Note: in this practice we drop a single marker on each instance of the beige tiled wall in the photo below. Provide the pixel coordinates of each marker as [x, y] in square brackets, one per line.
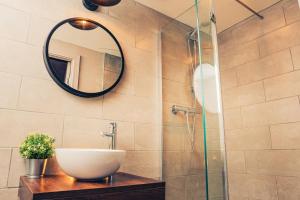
[31, 101]
[260, 63]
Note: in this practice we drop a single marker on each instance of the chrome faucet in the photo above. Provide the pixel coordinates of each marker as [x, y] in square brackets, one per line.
[112, 135]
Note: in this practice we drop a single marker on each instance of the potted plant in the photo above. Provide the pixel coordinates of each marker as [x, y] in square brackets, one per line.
[36, 149]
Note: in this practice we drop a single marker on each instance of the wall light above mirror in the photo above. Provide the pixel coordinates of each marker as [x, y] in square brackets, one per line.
[93, 5]
[83, 57]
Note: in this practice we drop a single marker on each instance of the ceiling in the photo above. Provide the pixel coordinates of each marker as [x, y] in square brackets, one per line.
[228, 12]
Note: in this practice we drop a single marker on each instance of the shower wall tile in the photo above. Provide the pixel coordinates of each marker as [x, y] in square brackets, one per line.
[232, 118]
[175, 188]
[274, 18]
[244, 186]
[177, 93]
[296, 56]
[279, 111]
[236, 161]
[272, 65]
[195, 187]
[239, 54]
[248, 138]
[291, 11]
[244, 95]
[247, 31]
[173, 138]
[288, 188]
[273, 162]
[280, 39]
[286, 85]
[5, 155]
[229, 79]
[175, 70]
[175, 163]
[285, 136]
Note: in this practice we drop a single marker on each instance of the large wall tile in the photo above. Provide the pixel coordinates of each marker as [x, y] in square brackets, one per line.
[4, 166]
[16, 125]
[175, 70]
[39, 29]
[14, 24]
[244, 186]
[143, 163]
[173, 138]
[236, 161]
[177, 93]
[286, 85]
[232, 118]
[291, 11]
[147, 137]
[274, 18]
[119, 107]
[244, 95]
[85, 133]
[280, 111]
[229, 79]
[41, 95]
[126, 135]
[248, 139]
[10, 90]
[175, 188]
[288, 188]
[280, 39]
[9, 194]
[285, 136]
[273, 162]
[29, 61]
[275, 64]
[239, 55]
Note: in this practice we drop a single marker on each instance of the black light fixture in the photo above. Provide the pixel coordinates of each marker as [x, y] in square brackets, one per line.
[83, 24]
[93, 5]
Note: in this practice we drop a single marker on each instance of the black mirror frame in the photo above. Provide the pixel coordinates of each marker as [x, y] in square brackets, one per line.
[65, 86]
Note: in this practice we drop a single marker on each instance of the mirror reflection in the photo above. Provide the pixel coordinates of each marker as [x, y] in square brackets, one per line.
[84, 56]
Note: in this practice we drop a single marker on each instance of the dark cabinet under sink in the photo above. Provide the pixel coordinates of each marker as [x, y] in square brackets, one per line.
[121, 186]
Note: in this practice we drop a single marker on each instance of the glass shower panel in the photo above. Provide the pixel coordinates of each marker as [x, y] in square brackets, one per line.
[208, 94]
[193, 143]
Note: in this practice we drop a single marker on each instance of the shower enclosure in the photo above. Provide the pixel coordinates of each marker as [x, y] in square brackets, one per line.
[194, 164]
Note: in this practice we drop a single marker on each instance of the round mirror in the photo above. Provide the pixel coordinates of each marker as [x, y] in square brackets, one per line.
[83, 57]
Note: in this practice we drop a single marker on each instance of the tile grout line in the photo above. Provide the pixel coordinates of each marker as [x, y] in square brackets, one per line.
[9, 169]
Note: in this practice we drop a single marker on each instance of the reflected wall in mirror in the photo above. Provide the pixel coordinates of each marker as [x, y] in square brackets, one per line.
[83, 57]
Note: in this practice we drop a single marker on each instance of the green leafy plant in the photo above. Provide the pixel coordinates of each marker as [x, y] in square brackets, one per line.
[37, 146]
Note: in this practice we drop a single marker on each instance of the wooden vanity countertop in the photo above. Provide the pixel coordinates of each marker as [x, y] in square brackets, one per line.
[62, 186]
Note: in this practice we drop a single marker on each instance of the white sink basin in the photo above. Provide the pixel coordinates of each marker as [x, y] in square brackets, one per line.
[89, 163]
